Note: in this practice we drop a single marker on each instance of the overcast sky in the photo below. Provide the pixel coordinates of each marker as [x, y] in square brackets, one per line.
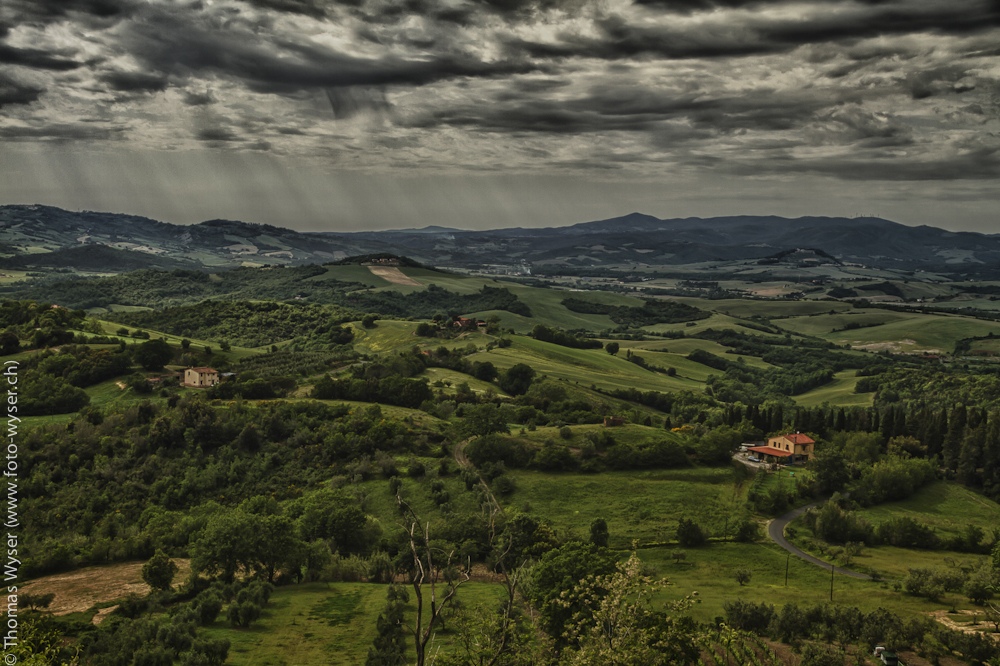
[373, 114]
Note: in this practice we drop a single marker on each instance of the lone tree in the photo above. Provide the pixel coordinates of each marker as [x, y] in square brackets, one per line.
[517, 379]
[159, 572]
[743, 576]
[153, 354]
[690, 534]
[599, 532]
[612, 348]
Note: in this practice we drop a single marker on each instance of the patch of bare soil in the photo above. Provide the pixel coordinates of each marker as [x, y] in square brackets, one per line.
[393, 275]
[884, 346]
[944, 617]
[77, 591]
[770, 291]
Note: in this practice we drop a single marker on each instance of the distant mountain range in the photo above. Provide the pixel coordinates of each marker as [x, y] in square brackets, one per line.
[44, 237]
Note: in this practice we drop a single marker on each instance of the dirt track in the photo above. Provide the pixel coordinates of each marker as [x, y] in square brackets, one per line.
[393, 275]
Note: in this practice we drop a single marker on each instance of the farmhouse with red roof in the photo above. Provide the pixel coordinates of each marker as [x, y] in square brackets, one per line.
[786, 449]
[201, 377]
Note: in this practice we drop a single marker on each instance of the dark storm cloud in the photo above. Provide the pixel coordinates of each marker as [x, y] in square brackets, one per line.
[693, 6]
[633, 109]
[951, 18]
[135, 81]
[35, 58]
[620, 39]
[15, 92]
[217, 134]
[48, 11]
[348, 102]
[464, 14]
[978, 164]
[192, 98]
[60, 132]
[756, 35]
[852, 125]
[167, 43]
[942, 80]
[314, 8]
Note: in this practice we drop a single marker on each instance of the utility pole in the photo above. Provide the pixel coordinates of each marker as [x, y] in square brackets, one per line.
[831, 580]
[787, 559]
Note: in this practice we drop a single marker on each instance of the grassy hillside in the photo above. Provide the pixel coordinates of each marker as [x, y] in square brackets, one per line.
[893, 330]
[945, 506]
[838, 392]
[643, 506]
[585, 367]
[308, 625]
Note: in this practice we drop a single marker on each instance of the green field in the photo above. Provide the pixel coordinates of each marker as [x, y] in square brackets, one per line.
[897, 331]
[710, 572]
[324, 624]
[390, 336]
[766, 308]
[643, 506]
[308, 625]
[947, 507]
[838, 392]
[583, 366]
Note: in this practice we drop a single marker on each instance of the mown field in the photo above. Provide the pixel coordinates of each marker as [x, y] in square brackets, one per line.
[947, 507]
[838, 392]
[584, 366]
[892, 330]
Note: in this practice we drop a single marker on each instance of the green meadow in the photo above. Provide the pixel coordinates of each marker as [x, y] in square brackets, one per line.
[638, 505]
[945, 506]
[307, 625]
[838, 392]
[329, 624]
[709, 571]
[584, 366]
[904, 331]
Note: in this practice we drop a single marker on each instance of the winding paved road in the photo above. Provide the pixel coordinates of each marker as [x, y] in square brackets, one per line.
[776, 531]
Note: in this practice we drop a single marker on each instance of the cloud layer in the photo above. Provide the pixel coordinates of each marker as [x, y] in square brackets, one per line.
[756, 91]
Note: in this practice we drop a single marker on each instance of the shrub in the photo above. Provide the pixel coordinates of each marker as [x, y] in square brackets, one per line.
[747, 531]
[746, 615]
[690, 534]
[504, 485]
[243, 614]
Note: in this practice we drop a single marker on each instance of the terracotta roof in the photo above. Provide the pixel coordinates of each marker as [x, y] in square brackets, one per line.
[767, 450]
[799, 438]
[205, 371]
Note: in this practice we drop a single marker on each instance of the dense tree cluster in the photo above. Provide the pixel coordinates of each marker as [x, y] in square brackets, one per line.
[164, 469]
[248, 323]
[650, 313]
[425, 304]
[563, 339]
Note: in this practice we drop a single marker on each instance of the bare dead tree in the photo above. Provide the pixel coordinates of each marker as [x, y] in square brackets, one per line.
[425, 576]
[511, 573]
